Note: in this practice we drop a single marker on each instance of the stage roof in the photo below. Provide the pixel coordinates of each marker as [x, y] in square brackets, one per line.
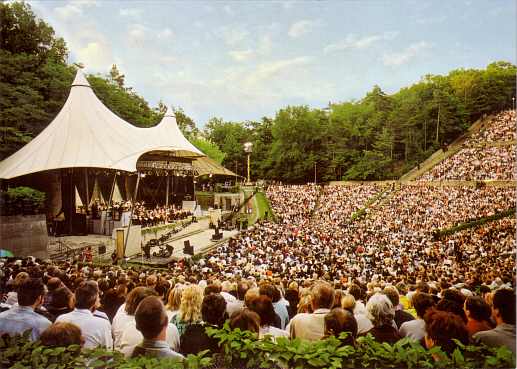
[85, 133]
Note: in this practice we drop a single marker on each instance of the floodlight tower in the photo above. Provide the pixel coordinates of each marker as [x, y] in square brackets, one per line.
[248, 148]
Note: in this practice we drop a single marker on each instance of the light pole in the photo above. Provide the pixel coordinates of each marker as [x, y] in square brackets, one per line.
[513, 103]
[248, 148]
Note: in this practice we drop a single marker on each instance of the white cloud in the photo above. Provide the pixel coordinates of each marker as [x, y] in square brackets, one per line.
[168, 59]
[165, 33]
[95, 55]
[241, 55]
[229, 10]
[130, 12]
[137, 33]
[405, 56]
[353, 42]
[301, 28]
[287, 4]
[265, 45]
[73, 9]
[232, 35]
[431, 20]
[266, 71]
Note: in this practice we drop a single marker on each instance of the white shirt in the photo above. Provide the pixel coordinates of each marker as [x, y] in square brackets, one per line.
[308, 326]
[234, 307]
[359, 308]
[119, 321]
[414, 329]
[272, 331]
[131, 337]
[228, 297]
[363, 323]
[96, 331]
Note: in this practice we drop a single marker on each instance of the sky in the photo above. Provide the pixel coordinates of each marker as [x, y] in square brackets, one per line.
[243, 60]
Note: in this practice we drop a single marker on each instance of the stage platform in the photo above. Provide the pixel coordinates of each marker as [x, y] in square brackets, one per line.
[200, 240]
[198, 234]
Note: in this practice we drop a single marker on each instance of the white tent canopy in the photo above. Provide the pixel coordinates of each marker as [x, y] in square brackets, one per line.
[85, 133]
[167, 133]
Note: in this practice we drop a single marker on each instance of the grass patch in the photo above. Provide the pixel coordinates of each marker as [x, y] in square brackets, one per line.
[264, 207]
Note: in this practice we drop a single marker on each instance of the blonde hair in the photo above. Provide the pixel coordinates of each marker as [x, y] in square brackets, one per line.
[250, 295]
[305, 304]
[191, 300]
[348, 302]
[174, 300]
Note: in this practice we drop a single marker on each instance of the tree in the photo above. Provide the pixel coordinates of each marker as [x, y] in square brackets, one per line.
[124, 102]
[116, 77]
[33, 75]
[209, 149]
[229, 137]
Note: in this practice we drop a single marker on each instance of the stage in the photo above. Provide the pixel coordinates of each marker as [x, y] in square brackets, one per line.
[198, 234]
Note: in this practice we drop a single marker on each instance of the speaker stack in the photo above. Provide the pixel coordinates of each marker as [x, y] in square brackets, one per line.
[188, 249]
[217, 235]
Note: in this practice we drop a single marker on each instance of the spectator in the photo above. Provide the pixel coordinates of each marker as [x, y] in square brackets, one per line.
[478, 314]
[151, 320]
[130, 335]
[363, 323]
[20, 318]
[96, 331]
[195, 339]
[442, 327]
[381, 313]
[401, 316]
[62, 302]
[238, 304]
[415, 329]
[269, 290]
[503, 312]
[246, 320]
[174, 300]
[12, 296]
[311, 326]
[263, 306]
[190, 308]
[62, 335]
[340, 320]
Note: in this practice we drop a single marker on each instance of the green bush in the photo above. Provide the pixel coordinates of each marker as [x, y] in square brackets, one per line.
[23, 201]
[242, 346]
[18, 352]
[243, 349]
[473, 223]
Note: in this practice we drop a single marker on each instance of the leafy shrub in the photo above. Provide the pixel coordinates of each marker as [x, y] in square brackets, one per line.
[18, 352]
[22, 201]
[243, 349]
[239, 347]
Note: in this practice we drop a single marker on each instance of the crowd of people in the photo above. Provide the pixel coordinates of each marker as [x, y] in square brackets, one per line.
[145, 313]
[476, 163]
[314, 273]
[488, 154]
[360, 258]
[498, 128]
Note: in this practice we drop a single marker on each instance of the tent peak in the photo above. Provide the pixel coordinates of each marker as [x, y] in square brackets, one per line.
[169, 112]
[80, 80]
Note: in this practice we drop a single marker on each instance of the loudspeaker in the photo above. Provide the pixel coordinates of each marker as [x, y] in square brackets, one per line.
[187, 248]
[102, 249]
[217, 235]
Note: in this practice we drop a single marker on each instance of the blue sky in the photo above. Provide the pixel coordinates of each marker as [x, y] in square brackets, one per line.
[242, 60]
